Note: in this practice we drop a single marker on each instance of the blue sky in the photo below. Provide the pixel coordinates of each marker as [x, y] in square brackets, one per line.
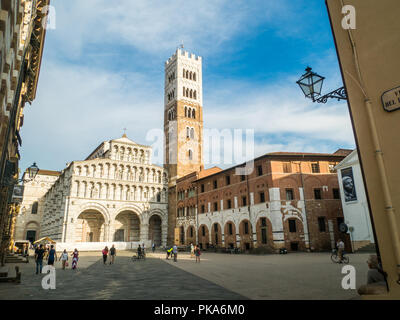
[103, 65]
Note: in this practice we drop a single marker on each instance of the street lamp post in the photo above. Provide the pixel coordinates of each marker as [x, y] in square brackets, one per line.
[311, 84]
[32, 172]
[6, 219]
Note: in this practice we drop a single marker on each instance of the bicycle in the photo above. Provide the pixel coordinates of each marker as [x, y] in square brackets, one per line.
[335, 257]
[137, 257]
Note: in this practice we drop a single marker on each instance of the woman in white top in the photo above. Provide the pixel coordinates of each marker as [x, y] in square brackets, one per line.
[64, 258]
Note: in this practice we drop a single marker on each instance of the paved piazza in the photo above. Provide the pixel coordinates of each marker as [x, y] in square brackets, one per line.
[218, 276]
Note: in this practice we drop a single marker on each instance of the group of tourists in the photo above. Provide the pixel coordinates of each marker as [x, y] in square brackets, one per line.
[43, 253]
[112, 253]
[194, 252]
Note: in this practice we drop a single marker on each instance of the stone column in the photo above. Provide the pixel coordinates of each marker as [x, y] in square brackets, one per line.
[276, 218]
[164, 233]
[144, 233]
[301, 205]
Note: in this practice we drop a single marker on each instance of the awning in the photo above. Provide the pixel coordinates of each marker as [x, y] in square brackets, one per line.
[44, 240]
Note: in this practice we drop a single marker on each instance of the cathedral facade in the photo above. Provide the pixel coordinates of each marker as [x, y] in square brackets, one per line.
[116, 195]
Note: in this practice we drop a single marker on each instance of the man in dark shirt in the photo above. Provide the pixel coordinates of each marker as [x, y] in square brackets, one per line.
[39, 253]
[113, 253]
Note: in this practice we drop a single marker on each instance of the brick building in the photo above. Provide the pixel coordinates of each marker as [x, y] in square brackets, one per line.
[290, 200]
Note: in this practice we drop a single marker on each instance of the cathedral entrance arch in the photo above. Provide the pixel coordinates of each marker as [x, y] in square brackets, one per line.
[127, 227]
[90, 227]
[155, 230]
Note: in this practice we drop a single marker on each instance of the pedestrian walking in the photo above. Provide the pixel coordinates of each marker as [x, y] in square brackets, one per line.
[340, 246]
[169, 252]
[39, 254]
[191, 250]
[52, 256]
[175, 251]
[197, 253]
[153, 247]
[75, 258]
[113, 253]
[64, 258]
[105, 254]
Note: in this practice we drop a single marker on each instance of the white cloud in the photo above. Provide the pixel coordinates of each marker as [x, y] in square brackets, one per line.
[157, 26]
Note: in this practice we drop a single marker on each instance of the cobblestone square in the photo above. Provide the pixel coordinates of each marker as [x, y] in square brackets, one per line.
[216, 277]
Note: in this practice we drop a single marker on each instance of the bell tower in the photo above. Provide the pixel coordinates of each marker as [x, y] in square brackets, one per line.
[183, 114]
[183, 126]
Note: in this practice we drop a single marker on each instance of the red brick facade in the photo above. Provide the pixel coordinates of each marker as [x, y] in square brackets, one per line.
[266, 208]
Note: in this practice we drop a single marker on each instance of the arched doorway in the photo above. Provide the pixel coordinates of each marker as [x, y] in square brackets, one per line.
[181, 235]
[190, 235]
[155, 230]
[90, 227]
[204, 240]
[264, 233]
[246, 235]
[216, 235]
[32, 231]
[230, 235]
[127, 227]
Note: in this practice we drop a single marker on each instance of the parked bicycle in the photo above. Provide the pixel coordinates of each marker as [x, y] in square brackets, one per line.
[335, 257]
[137, 257]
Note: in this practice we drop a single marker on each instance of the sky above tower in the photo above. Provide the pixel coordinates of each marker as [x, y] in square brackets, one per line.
[103, 71]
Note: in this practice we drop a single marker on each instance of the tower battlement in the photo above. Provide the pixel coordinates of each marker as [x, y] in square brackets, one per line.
[186, 54]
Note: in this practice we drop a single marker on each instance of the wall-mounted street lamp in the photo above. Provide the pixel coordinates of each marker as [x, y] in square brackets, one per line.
[311, 84]
[32, 172]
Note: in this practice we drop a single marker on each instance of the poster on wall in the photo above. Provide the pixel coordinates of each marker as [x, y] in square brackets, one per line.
[18, 193]
[348, 185]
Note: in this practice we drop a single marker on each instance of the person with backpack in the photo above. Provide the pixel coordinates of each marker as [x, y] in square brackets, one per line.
[197, 253]
[105, 254]
[175, 251]
[113, 253]
[169, 252]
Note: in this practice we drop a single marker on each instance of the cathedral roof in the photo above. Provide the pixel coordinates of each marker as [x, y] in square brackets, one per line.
[125, 139]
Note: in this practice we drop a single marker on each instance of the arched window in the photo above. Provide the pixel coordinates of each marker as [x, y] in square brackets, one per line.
[35, 206]
[189, 112]
[194, 114]
[185, 111]
[191, 93]
[190, 75]
[194, 94]
[187, 74]
[183, 72]
[191, 133]
[190, 154]
[194, 76]
[184, 92]
[187, 93]
[187, 132]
